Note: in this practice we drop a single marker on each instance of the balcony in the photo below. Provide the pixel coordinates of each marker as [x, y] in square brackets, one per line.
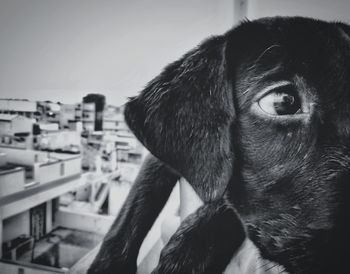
[32, 177]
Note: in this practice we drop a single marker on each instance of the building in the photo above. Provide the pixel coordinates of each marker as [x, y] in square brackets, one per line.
[36, 233]
[78, 112]
[88, 116]
[93, 107]
[45, 197]
[49, 112]
[11, 124]
[59, 140]
[75, 125]
[16, 130]
[113, 118]
[67, 113]
[20, 107]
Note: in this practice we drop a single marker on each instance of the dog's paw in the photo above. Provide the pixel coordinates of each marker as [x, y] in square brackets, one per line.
[205, 241]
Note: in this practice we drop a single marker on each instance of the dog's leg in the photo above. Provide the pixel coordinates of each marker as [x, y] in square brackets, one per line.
[119, 250]
[205, 241]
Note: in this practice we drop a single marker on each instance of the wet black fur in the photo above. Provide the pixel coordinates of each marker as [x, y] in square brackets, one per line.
[282, 183]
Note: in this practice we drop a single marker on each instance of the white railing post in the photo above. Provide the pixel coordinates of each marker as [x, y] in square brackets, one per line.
[189, 200]
[36, 172]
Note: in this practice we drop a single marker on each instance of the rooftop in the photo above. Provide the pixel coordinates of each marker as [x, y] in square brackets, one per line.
[7, 117]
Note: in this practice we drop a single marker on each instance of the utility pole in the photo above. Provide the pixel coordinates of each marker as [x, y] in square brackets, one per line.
[240, 10]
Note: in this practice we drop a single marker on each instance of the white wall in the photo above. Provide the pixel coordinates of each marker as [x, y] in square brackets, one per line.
[60, 50]
[322, 9]
[21, 124]
[24, 157]
[11, 182]
[17, 105]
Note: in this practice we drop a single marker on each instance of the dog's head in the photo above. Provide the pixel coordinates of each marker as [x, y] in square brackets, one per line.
[262, 113]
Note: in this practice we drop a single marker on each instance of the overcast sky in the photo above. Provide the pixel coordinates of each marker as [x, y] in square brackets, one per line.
[62, 49]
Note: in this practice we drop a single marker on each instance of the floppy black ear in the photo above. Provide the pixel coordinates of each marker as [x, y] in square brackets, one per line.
[184, 117]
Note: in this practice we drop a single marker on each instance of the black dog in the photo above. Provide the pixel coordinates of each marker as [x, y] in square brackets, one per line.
[257, 120]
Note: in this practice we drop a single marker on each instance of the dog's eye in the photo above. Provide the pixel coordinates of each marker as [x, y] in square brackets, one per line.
[281, 101]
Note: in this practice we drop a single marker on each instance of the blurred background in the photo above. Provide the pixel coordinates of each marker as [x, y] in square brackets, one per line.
[67, 158]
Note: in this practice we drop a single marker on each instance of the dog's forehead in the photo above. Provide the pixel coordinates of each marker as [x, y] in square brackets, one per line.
[301, 40]
[297, 32]
[316, 51]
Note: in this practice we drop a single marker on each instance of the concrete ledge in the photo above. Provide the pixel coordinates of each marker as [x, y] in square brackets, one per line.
[14, 267]
[28, 198]
[84, 221]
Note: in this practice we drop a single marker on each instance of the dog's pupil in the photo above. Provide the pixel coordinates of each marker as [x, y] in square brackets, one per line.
[285, 104]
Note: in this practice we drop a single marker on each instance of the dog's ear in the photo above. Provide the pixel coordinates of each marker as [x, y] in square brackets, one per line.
[184, 118]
